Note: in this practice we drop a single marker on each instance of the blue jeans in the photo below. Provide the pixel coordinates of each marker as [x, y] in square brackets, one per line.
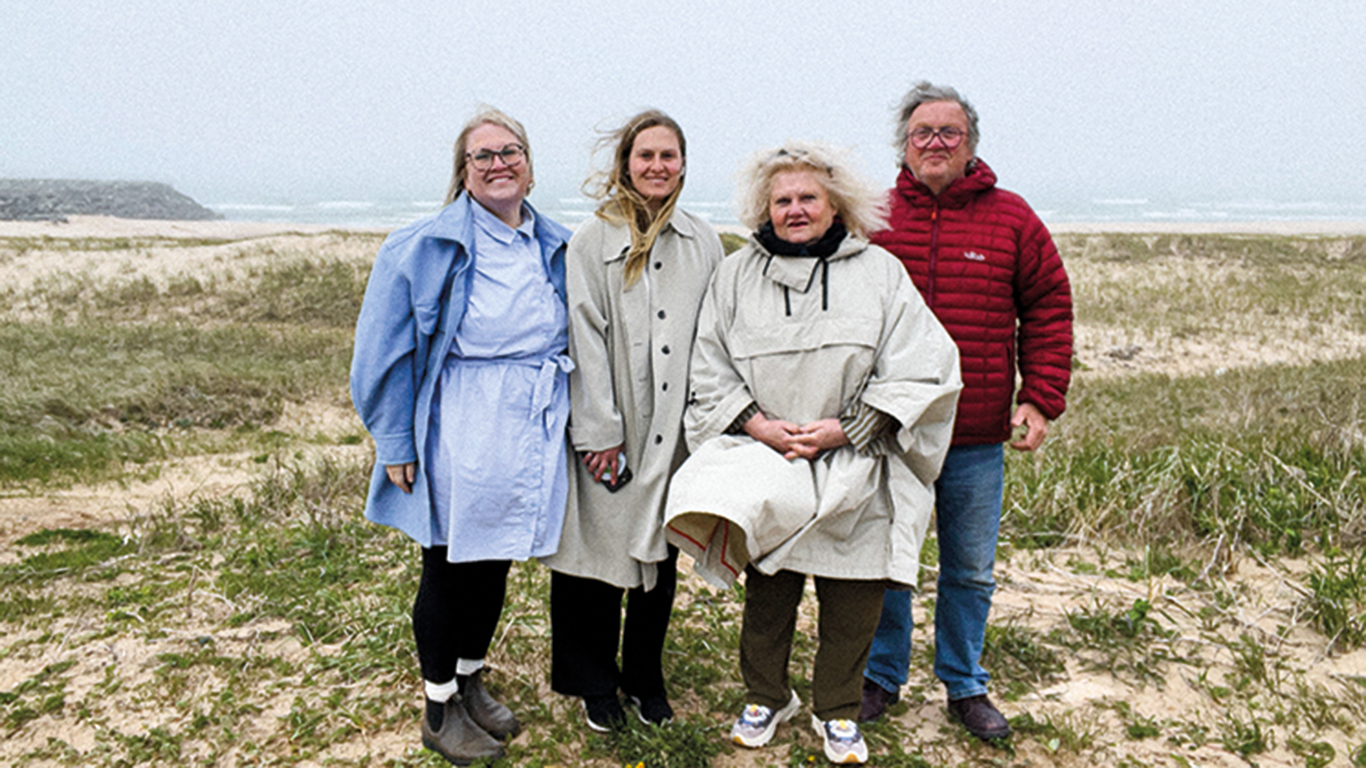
[968, 518]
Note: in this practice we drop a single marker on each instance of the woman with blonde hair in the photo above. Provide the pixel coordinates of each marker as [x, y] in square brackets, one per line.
[636, 275]
[460, 374]
[821, 403]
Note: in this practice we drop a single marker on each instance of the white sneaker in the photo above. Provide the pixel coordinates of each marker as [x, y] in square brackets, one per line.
[843, 741]
[756, 723]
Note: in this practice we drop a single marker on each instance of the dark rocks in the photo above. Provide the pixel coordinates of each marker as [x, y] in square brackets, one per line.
[56, 199]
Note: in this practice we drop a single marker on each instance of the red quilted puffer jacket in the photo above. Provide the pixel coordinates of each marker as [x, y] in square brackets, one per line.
[988, 268]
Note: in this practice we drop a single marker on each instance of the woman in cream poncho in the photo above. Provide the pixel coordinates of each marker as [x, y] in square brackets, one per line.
[821, 406]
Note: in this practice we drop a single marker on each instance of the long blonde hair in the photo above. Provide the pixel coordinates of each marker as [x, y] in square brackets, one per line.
[621, 202]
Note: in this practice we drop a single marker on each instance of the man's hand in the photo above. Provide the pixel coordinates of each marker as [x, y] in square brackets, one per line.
[1036, 427]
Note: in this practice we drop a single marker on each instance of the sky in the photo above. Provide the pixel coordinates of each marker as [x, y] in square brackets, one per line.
[263, 100]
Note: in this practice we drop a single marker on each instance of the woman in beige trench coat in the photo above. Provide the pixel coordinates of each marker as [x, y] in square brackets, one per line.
[823, 394]
[636, 274]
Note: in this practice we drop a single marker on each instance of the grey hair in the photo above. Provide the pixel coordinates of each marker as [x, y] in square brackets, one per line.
[925, 92]
[485, 116]
[856, 201]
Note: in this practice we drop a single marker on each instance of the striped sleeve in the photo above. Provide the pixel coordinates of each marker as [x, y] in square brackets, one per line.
[865, 426]
[737, 427]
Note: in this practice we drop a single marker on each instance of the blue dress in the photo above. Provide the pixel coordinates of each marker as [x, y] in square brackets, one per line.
[496, 460]
[460, 366]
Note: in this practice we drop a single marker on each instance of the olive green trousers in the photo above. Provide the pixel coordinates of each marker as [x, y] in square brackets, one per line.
[847, 618]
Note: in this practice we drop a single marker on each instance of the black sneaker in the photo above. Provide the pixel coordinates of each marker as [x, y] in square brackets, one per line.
[652, 710]
[604, 713]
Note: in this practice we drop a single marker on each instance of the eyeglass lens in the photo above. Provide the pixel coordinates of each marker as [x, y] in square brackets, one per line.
[483, 159]
[950, 136]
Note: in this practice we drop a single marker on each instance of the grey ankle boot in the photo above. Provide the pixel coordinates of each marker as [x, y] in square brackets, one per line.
[492, 716]
[461, 741]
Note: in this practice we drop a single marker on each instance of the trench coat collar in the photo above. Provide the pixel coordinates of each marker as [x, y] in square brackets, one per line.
[680, 223]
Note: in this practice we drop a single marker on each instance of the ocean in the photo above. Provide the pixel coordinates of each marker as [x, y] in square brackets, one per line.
[573, 209]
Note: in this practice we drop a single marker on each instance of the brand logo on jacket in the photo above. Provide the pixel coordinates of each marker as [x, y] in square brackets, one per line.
[974, 256]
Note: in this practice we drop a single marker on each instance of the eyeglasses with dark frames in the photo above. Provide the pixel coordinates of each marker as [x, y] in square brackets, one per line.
[510, 154]
[950, 136]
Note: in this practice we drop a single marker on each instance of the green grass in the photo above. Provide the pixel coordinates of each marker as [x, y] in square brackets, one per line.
[1338, 606]
[1265, 455]
[271, 626]
[83, 402]
[732, 242]
[1209, 285]
[103, 376]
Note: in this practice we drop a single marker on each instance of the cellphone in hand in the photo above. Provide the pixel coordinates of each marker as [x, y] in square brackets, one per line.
[619, 478]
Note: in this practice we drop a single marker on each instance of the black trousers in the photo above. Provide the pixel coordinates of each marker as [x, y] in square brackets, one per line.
[456, 611]
[585, 629]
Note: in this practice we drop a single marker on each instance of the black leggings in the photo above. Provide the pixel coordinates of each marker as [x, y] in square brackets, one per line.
[456, 611]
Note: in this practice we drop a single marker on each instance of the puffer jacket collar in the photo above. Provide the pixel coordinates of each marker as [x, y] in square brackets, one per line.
[978, 179]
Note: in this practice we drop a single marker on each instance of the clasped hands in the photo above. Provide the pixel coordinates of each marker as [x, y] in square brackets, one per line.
[805, 441]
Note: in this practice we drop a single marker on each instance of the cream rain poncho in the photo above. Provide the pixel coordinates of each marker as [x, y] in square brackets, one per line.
[806, 339]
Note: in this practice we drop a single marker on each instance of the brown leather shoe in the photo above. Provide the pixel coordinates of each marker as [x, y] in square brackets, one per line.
[876, 699]
[460, 740]
[980, 717]
[491, 715]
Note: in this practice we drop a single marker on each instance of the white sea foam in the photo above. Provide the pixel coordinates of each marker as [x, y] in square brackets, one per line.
[248, 207]
[573, 209]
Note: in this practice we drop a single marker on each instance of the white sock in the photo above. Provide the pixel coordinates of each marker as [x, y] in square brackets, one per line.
[466, 667]
[441, 691]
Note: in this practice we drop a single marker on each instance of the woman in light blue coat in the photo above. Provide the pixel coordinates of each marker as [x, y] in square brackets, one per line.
[460, 374]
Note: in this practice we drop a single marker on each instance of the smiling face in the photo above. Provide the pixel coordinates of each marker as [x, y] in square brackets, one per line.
[656, 164]
[799, 207]
[936, 165]
[501, 187]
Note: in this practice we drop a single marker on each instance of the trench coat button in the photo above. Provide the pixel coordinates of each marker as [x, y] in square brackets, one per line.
[666, 386]
[665, 350]
[659, 265]
[661, 314]
[659, 439]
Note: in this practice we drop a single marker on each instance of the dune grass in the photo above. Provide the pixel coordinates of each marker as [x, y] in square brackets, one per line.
[271, 626]
[101, 375]
[1271, 457]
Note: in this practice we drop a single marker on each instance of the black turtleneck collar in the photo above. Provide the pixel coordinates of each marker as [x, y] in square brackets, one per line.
[822, 248]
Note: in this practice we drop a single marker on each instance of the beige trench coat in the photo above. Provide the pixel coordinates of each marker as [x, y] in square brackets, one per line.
[631, 348]
[848, 514]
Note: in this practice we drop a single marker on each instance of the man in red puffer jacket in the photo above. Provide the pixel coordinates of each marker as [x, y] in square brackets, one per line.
[988, 269]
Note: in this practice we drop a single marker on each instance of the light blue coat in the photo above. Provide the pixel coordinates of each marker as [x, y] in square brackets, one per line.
[402, 339]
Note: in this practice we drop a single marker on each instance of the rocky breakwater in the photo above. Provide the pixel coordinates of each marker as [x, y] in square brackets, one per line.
[56, 199]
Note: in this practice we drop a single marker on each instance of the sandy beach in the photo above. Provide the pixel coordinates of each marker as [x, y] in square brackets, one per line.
[109, 226]
[1286, 228]
[1150, 302]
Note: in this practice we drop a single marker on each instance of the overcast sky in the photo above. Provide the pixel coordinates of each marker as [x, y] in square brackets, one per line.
[260, 99]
